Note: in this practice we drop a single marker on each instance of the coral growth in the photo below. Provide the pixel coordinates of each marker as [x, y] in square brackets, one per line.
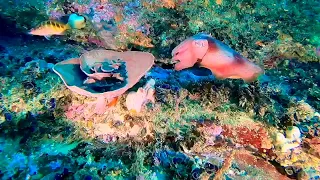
[81, 125]
[256, 137]
[98, 74]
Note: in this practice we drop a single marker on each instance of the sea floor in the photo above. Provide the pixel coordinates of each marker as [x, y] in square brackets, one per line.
[197, 128]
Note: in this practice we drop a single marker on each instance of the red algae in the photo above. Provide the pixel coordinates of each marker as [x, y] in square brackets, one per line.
[257, 137]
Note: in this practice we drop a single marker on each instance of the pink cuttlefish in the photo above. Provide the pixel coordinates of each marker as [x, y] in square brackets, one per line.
[210, 53]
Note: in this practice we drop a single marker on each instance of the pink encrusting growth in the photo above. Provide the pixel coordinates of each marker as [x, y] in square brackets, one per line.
[210, 53]
[136, 100]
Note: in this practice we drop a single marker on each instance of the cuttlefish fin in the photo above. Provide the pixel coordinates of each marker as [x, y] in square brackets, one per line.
[218, 76]
[239, 68]
[48, 37]
[246, 70]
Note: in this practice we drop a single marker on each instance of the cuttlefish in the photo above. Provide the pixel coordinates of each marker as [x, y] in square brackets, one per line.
[212, 54]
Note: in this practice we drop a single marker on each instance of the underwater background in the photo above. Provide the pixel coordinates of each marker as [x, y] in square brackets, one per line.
[160, 89]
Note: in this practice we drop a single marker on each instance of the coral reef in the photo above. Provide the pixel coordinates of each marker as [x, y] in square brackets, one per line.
[70, 109]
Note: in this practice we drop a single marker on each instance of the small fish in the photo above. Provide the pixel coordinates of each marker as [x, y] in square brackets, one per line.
[49, 28]
[219, 2]
[113, 102]
[212, 54]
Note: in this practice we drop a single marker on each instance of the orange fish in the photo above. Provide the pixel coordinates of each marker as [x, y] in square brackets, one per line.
[210, 53]
[113, 102]
[49, 28]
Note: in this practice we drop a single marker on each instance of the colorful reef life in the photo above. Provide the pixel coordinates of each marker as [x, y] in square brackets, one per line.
[51, 27]
[159, 90]
[210, 53]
